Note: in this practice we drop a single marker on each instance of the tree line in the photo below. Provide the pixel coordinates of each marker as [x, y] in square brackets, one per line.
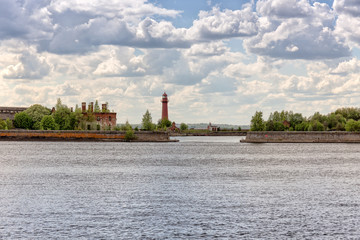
[38, 117]
[343, 119]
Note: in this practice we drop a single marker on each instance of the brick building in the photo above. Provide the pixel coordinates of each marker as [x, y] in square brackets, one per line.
[104, 119]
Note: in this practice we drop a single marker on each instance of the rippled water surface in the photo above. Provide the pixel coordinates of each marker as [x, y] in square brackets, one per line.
[196, 188]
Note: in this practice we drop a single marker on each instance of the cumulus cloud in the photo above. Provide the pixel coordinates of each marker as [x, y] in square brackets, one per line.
[349, 7]
[66, 89]
[30, 66]
[207, 49]
[217, 24]
[347, 67]
[296, 30]
[348, 22]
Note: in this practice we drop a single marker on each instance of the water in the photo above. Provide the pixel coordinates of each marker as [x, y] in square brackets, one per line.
[199, 188]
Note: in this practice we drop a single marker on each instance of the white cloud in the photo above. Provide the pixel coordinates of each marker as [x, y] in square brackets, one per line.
[217, 24]
[67, 89]
[29, 66]
[296, 30]
[348, 22]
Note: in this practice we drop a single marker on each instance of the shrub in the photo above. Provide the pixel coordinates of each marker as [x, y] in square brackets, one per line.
[48, 123]
[9, 124]
[183, 126]
[2, 124]
[352, 126]
[23, 120]
[129, 135]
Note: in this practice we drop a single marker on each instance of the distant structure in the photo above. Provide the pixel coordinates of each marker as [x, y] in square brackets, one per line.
[164, 101]
[213, 128]
[9, 112]
[173, 128]
[105, 119]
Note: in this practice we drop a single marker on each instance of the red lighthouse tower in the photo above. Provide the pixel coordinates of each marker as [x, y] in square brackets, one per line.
[164, 101]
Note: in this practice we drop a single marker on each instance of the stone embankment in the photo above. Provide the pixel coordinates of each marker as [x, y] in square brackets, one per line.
[302, 137]
[101, 136]
[218, 133]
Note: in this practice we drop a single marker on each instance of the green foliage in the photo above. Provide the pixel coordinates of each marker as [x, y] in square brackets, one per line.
[239, 128]
[37, 112]
[295, 119]
[126, 126]
[9, 124]
[129, 135]
[23, 120]
[349, 113]
[3, 125]
[147, 122]
[257, 122]
[304, 126]
[183, 126]
[97, 107]
[136, 129]
[316, 126]
[352, 126]
[64, 118]
[48, 123]
[278, 126]
[274, 126]
[269, 125]
[335, 122]
[164, 123]
[36, 126]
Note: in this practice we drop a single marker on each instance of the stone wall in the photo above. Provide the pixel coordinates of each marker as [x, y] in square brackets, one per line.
[210, 133]
[113, 136]
[302, 137]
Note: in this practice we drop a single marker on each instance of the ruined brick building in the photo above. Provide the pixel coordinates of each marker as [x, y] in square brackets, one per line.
[104, 119]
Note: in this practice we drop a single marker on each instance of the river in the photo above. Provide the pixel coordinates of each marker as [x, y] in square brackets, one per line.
[198, 188]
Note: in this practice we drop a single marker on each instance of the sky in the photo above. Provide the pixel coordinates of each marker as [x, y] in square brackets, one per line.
[219, 61]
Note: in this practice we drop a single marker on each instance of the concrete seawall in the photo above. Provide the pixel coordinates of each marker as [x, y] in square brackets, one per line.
[302, 137]
[101, 136]
[219, 133]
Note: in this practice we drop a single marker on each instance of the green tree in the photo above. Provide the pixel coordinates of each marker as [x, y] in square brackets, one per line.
[316, 126]
[37, 112]
[48, 123]
[349, 113]
[126, 126]
[279, 126]
[335, 122]
[23, 120]
[3, 124]
[9, 124]
[302, 126]
[62, 116]
[295, 119]
[147, 123]
[183, 126]
[257, 122]
[269, 125]
[164, 123]
[97, 107]
[352, 126]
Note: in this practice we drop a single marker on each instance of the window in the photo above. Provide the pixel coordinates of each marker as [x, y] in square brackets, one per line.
[109, 118]
[98, 119]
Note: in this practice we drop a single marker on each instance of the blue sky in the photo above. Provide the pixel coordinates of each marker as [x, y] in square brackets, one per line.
[219, 61]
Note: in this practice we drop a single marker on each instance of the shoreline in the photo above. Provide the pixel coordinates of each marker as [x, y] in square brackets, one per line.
[302, 137]
[82, 136]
